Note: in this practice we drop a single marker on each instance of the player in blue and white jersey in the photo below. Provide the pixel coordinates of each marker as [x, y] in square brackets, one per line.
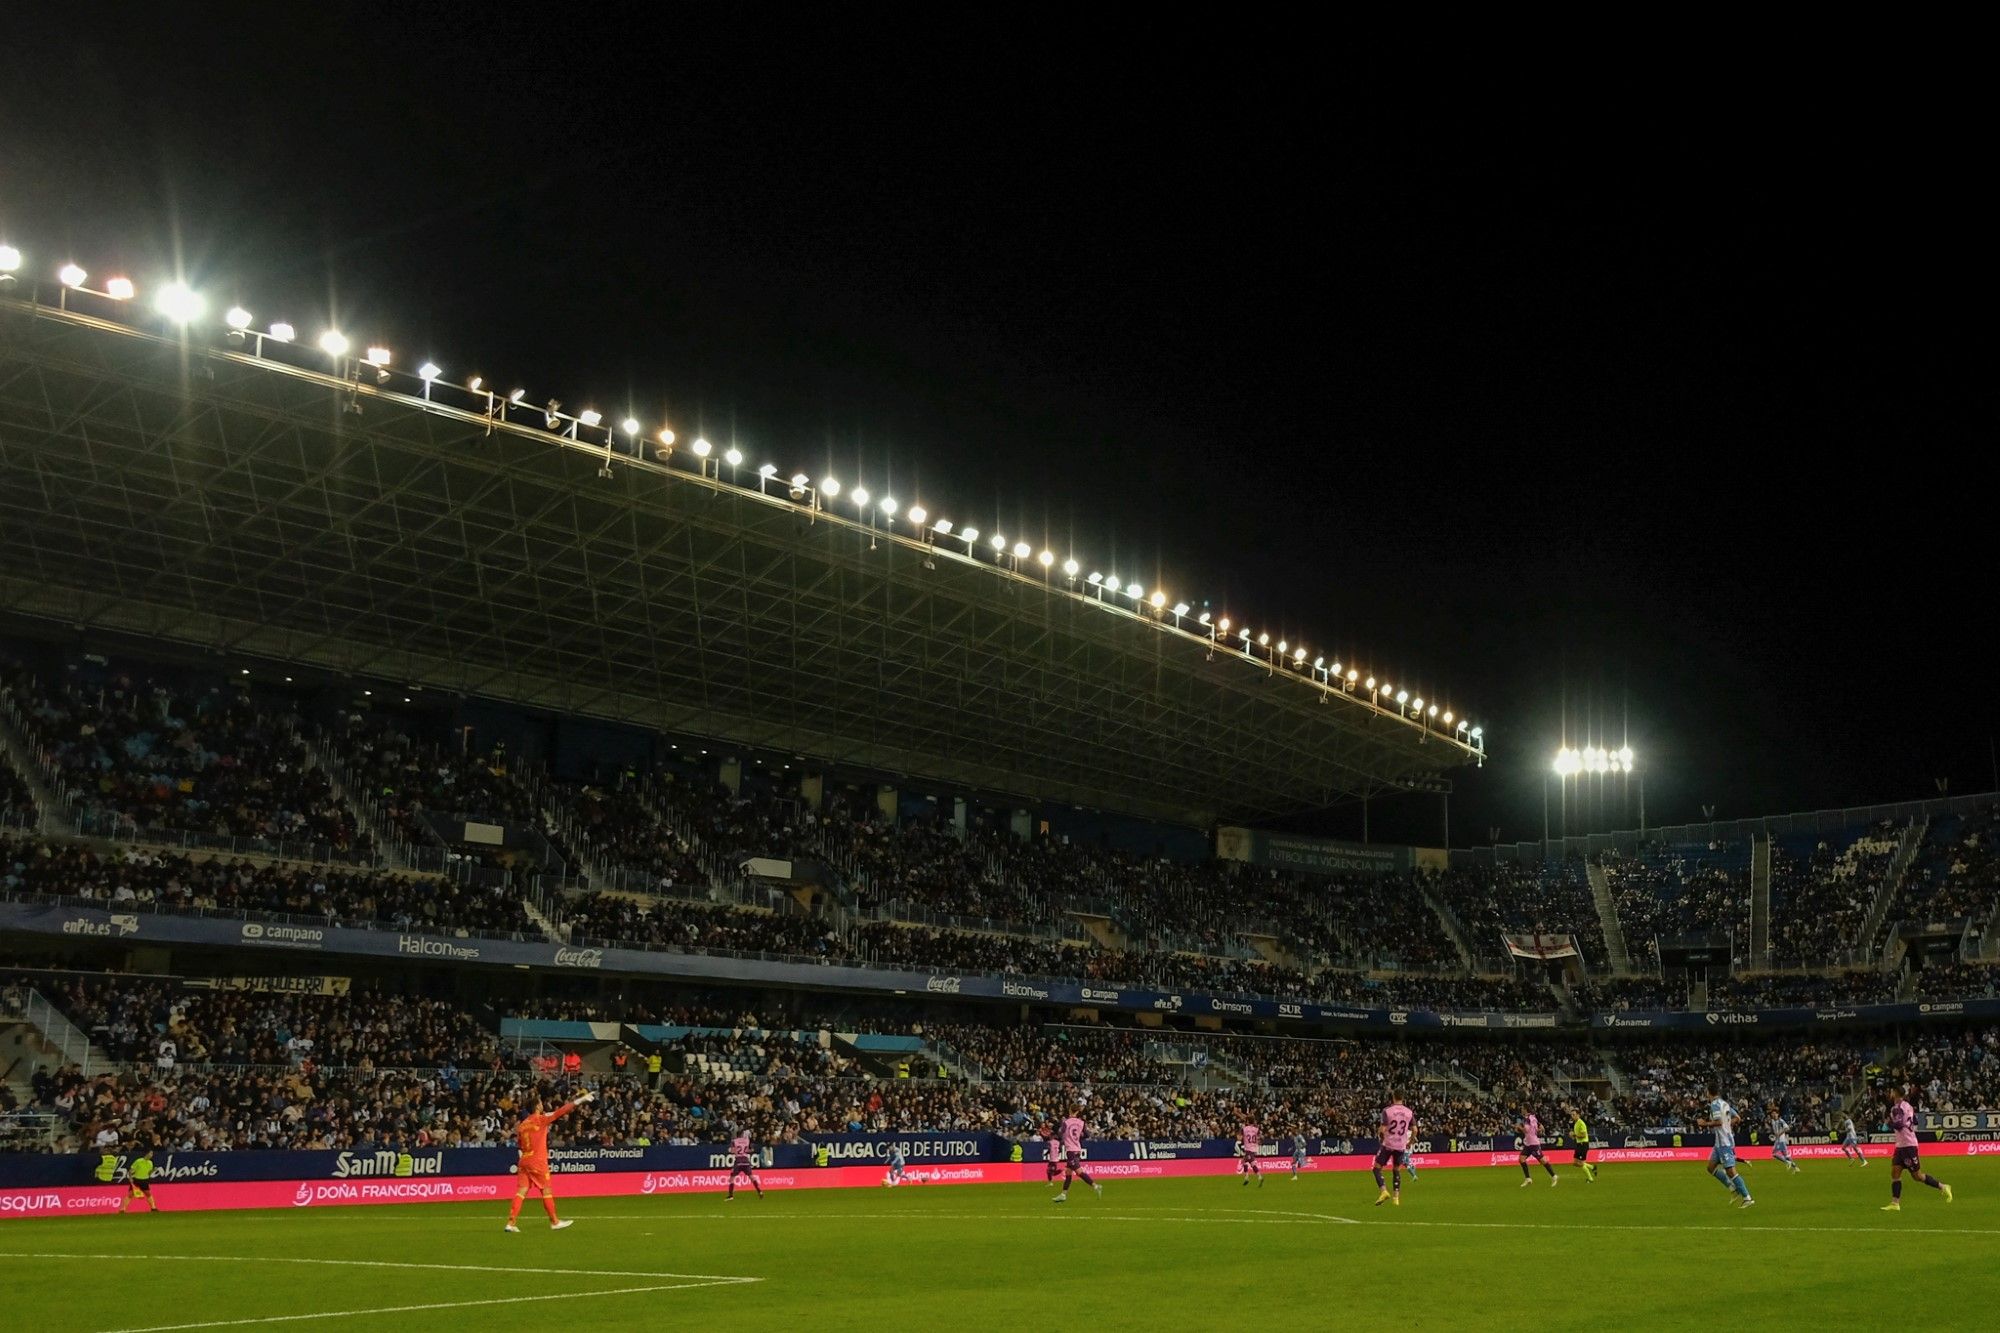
[1722, 1119]
[1781, 1139]
[1298, 1154]
[1850, 1142]
[897, 1163]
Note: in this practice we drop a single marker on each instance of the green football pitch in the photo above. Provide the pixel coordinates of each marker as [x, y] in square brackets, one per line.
[1645, 1247]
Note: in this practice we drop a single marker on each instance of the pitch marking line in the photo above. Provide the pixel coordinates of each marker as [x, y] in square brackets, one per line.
[377, 1263]
[1301, 1219]
[684, 1282]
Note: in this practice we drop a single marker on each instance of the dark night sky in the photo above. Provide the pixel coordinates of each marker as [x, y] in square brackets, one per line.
[1652, 416]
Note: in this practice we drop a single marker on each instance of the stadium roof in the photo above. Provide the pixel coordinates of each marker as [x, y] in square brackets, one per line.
[196, 491]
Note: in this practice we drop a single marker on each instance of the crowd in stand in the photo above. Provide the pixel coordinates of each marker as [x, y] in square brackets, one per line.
[1958, 1069]
[164, 1024]
[1821, 896]
[1620, 993]
[1667, 1080]
[1509, 897]
[215, 1067]
[667, 923]
[1779, 992]
[141, 757]
[153, 878]
[1956, 872]
[1956, 980]
[408, 780]
[1672, 889]
[619, 826]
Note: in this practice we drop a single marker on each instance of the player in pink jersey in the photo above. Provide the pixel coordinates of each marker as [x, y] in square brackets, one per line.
[1246, 1152]
[740, 1165]
[1529, 1129]
[1394, 1135]
[1903, 1120]
[1072, 1142]
[1052, 1151]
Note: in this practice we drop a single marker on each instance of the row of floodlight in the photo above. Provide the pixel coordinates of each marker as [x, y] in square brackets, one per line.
[1593, 759]
[181, 306]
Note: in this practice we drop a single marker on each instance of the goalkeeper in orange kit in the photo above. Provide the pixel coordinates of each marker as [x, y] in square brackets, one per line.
[531, 1136]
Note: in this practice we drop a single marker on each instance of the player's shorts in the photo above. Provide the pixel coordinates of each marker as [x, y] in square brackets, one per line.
[1781, 1147]
[1850, 1142]
[1722, 1154]
[1389, 1157]
[144, 1187]
[534, 1176]
[741, 1167]
[1073, 1160]
[1906, 1158]
[1580, 1153]
[1533, 1150]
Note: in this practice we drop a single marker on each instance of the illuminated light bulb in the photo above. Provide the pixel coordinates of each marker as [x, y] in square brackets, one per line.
[333, 343]
[630, 425]
[72, 275]
[119, 289]
[178, 302]
[701, 447]
[282, 332]
[732, 456]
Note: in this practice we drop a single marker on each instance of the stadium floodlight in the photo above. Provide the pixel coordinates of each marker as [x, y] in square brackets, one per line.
[919, 515]
[1095, 579]
[1477, 732]
[1298, 654]
[1319, 663]
[334, 343]
[1158, 599]
[236, 317]
[830, 487]
[1402, 696]
[476, 383]
[1022, 550]
[968, 536]
[1447, 717]
[860, 496]
[734, 457]
[1223, 624]
[1047, 559]
[518, 397]
[702, 448]
[377, 357]
[1134, 591]
[120, 289]
[667, 437]
[1567, 762]
[72, 275]
[1418, 703]
[630, 425]
[590, 416]
[1283, 647]
[1112, 584]
[1070, 568]
[1264, 640]
[765, 471]
[999, 542]
[1180, 609]
[282, 332]
[888, 506]
[942, 527]
[179, 303]
[1434, 710]
[1625, 756]
[799, 483]
[1205, 618]
[428, 372]
[10, 259]
[1461, 724]
[1371, 684]
[1352, 675]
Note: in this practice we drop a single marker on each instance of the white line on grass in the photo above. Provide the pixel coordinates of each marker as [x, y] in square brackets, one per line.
[433, 1305]
[376, 1263]
[1295, 1219]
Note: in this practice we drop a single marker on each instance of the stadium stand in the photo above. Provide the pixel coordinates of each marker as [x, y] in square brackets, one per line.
[1955, 872]
[1677, 889]
[1822, 887]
